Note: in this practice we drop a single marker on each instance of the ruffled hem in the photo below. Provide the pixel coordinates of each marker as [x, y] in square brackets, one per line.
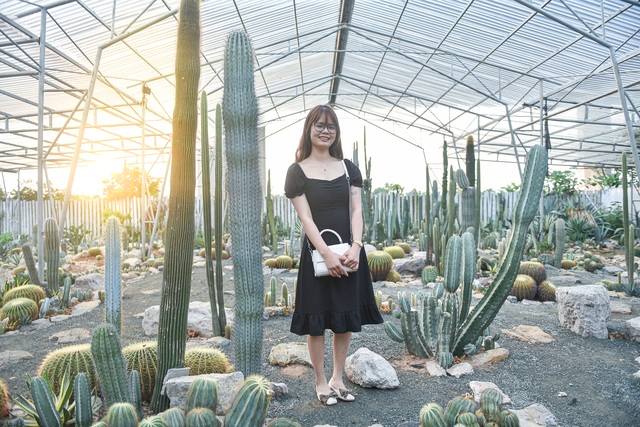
[339, 323]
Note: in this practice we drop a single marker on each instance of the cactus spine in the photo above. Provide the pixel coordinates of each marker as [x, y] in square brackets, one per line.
[524, 212]
[113, 275]
[51, 254]
[250, 405]
[44, 401]
[82, 394]
[560, 238]
[206, 211]
[240, 110]
[110, 364]
[176, 278]
[222, 317]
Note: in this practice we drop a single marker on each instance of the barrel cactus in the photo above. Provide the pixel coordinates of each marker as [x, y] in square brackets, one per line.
[75, 358]
[202, 393]
[393, 276]
[33, 292]
[567, 264]
[524, 287]
[431, 415]
[4, 400]
[122, 414]
[202, 417]
[380, 263]
[283, 422]
[174, 417]
[456, 406]
[546, 291]
[203, 360]
[546, 259]
[19, 311]
[535, 270]
[153, 421]
[250, 404]
[429, 274]
[396, 252]
[143, 357]
[284, 261]
[405, 247]
[491, 403]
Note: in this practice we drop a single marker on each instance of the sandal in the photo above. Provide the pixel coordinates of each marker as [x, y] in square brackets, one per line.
[342, 393]
[327, 399]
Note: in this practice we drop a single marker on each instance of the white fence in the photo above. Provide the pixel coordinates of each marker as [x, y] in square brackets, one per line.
[19, 217]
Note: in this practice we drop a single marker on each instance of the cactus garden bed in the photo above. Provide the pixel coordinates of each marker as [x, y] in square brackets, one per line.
[582, 381]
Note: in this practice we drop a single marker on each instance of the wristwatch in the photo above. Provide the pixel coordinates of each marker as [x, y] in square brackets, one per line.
[358, 242]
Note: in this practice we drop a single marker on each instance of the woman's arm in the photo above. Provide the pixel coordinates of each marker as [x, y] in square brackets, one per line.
[333, 260]
[353, 254]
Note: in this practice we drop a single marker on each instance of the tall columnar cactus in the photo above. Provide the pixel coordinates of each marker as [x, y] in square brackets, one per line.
[66, 290]
[110, 364]
[524, 212]
[240, 111]
[113, 275]
[217, 214]
[82, 396]
[470, 162]
[451, 205]
[445, 176]
[478, 188]
[206, 211]
[561, 234]
[428, 219]
[628, 237]
[367, 200]
[27, 254]
[250, 404]
[437, 253]
[51, 254]
[135, 392]
[271, 216]
[176, 279]
[467, 201]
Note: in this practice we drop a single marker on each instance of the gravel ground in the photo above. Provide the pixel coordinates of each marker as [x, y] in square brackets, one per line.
[596, 375]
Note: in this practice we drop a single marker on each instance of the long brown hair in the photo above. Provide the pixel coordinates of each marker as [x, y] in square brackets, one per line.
[316, 113]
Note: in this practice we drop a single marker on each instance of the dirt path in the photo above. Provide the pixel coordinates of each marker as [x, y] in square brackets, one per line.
[596, 375]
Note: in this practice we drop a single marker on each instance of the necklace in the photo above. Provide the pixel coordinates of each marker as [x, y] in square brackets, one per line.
[324, 165]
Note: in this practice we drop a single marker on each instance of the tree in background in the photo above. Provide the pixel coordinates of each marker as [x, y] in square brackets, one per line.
[128, 184]
[29, 191]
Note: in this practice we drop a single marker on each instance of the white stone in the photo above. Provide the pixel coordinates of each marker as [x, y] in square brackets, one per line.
[434, 369]
[198, 319]
[584, 310]
[93, 281]
[633, 329]
[535, 415]
[11, 357]
[478, 387]
[370, 370]
[83, 307]
[618, 307]
[228, 386]
[637, 359]
[460, 370]
[637, 375]
[71, 335]
[290, 353]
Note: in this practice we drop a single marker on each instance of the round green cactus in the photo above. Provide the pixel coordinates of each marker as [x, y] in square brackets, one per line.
[467, 419]
[19, 311]
[456, 406]
[174, 417]
[122, 414]
[153, 421]
[491, 402]
[75, 358]
[396, 252]
[206, 361]
[283, 422]
[33, 292]
[284, 261]
[429, 274]
[431, 415]
[380, 264]
[524, 287]
[546, 259]
[202, 393]
[535, 270]
[143, 357]
[405, 247]
[546, 291]
[202, 417]
[250, 404]
[393, 276]
[567, 264]
[509, 419]
[94, 252]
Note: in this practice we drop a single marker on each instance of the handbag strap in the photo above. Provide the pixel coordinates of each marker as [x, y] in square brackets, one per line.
[346, 172]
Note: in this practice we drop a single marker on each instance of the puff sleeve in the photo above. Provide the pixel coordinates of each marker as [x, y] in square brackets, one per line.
[354, 174]
[294, 184]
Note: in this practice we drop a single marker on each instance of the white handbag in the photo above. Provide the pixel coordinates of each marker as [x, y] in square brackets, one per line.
[319, 266]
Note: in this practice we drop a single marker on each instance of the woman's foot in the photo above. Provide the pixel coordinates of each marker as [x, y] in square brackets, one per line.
[327, 398]
[341, 392]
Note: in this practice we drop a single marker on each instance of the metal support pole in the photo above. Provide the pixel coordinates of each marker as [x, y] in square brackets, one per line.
[541, 206]
[156, 220]
[40, 209]
[143, 187]
[513, 140]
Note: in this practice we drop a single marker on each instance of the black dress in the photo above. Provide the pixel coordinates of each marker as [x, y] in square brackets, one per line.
[340, 304]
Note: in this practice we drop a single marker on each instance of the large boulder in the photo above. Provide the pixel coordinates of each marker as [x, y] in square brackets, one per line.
[93, 281]
[198, 319]
[368, 369]
[584, 309]
[409, 266]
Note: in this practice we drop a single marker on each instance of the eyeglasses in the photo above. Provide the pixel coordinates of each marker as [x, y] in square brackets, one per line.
[319, 127]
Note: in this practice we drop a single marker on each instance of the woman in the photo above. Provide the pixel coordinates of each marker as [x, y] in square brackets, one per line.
[326, 198]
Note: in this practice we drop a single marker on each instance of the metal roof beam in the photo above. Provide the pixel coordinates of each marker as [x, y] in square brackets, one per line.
[346, 12]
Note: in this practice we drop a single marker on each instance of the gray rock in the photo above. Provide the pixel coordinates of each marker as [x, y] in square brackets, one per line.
[279, 389]
[409, 266]
[612, 270]
[228, 386]
[93, 281]
[620, 307]
[11, 357]
[535, 415]
[478, 387]
[70, 335]
[460, 370]
[633, 329]
[584, 310]
[370, 370]
[290, 353]
[434, 369]
[198, 319]
[83, 307]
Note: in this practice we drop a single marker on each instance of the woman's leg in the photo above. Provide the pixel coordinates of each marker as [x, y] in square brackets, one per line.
[340, 349]
[316, 352]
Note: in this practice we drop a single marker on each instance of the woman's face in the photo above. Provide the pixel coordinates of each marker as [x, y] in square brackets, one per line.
[323, 133]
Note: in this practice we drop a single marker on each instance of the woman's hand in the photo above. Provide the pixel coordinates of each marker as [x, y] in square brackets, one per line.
[335, 263]
[352, 257]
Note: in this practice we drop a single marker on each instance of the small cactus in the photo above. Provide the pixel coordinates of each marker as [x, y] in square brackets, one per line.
[202, 417]
[284, 261]
[19, 311]
[380, 264]
[33, 292]
[396, 252]
[203, 360]
[567, 264]
[143, 357]
[250, 405]
[122, 414]
[154, 421]
[393, 276]
[429, 274]
[202, 393]
[4, 400]
[534, 269]
[174, 417]
[524, 287]
[431, 415]
[76, 358]
[405, 247]
[546, 291]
